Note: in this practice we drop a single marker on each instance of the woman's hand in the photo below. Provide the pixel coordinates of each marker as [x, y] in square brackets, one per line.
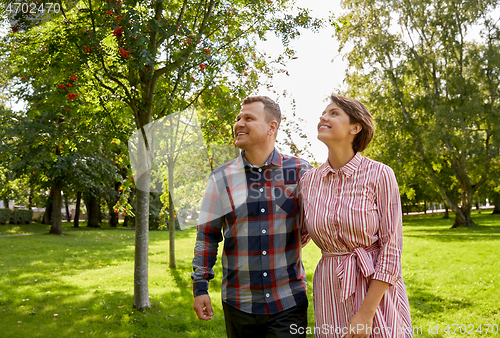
[360, 325]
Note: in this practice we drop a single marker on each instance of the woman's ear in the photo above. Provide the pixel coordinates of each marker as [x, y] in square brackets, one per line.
[356, 128]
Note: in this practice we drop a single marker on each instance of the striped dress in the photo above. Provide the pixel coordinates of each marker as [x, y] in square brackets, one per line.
[353, 214]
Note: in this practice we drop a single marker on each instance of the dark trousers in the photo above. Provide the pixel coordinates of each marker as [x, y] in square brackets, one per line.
[291, 323]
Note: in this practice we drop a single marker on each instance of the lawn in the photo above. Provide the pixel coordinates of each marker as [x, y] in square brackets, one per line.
[80, 284]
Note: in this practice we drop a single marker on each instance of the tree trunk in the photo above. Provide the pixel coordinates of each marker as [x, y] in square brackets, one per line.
[478, 207]
[496, 201]
[99, 211]
[92, 204]
[6, 199]
[77, 210]
[171, 216]
[425, 208]
[47, 215]
[67, 208]
[130, 201]
[446, 212]
[463, 219]
[56, 226]
[30, 199]
[142, 184]
[113, 216]
[141, 290]
[463, 214]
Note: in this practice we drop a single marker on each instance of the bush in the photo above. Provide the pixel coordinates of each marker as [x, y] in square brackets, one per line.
[155, 221]
[21, 216]
[177, 225]
[5, 215]
[27, 215]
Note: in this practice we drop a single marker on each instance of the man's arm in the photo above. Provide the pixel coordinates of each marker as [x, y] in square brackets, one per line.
[304, 234]
[205, 252]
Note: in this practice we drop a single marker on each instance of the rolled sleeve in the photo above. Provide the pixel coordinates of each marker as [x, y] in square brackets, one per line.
[388, 267]
[304, 234]
[209, 235]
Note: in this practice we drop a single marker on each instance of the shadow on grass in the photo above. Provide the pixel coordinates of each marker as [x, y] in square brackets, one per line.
[438, 229]
[50, 286]
[106, 314]
[427, 307]
[428, 303]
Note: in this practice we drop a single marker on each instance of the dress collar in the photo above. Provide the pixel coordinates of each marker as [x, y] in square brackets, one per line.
[348, 169]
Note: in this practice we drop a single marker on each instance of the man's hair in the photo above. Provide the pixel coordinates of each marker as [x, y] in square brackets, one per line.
[271, 108]
[358, 113]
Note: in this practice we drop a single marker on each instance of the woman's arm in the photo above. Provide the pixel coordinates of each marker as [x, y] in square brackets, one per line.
[388, 267]
[360, 325]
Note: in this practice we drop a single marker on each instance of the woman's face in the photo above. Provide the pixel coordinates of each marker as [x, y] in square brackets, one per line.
[335, 127]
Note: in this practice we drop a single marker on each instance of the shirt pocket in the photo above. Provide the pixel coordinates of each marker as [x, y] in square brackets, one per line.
[284, 198]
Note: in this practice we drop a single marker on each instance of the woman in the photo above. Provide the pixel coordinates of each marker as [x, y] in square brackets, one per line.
[352, 211]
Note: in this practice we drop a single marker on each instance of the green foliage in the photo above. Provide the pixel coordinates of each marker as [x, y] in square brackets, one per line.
[103, 67]
[21, 216]
[156, 220]
[5, 215]
[16, 216]
[433, 90]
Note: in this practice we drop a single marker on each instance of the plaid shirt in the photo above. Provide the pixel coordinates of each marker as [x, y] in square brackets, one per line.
[257, 211]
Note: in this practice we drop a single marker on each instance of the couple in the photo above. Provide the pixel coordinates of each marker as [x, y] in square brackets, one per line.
[267, 206]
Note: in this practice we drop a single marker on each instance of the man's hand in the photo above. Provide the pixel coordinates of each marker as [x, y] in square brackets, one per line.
[203, 307]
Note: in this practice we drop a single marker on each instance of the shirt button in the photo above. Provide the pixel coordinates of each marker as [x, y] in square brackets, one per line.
[261, 189]
[265, 274]
[264, 252]
[264, 231]
[262, 210]
[268, 295]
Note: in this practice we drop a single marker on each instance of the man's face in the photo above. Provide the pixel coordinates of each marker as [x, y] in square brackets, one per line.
[251, 129]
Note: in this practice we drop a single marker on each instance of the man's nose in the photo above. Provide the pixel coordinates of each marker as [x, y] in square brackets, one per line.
[239, 123]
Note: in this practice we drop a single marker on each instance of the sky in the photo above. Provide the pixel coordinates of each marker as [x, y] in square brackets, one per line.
[316, 73]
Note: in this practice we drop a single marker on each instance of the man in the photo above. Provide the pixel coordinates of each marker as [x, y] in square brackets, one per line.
[252, 202]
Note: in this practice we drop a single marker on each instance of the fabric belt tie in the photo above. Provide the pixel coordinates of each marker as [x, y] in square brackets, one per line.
[347, 270]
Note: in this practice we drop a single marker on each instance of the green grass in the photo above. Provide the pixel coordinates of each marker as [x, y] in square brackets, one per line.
[80, 284]
[452, 275]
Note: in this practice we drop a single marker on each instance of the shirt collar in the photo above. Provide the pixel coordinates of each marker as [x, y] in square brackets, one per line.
[275, 158]
[348, 169]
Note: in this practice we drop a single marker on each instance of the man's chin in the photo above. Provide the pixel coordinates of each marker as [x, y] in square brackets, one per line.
[240, 145]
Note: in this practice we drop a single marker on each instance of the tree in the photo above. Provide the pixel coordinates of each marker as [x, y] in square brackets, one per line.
[491, 189]
[132, 48]
[177, 152]
[429, 84]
